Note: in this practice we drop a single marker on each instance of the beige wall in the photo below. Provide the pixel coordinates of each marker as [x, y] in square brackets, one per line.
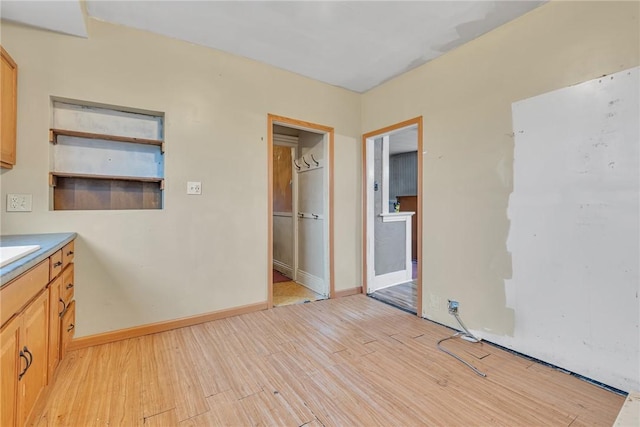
[465, 98]
[206, 253]
[201, 253]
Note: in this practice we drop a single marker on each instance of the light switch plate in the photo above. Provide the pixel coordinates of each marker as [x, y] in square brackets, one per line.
[194, 187]
[19, 202]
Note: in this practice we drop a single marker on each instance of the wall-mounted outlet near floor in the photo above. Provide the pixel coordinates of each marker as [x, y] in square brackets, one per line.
[453, 306]
[194, 187]
[19, 202]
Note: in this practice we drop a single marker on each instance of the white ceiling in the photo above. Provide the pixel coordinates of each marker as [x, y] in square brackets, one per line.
[351, 44]
[404, 141]
[60, 16]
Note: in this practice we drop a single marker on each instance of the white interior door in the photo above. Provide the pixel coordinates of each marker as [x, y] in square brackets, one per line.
[311, 221]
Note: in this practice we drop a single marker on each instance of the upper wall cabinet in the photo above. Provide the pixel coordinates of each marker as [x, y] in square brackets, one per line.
[8, 110]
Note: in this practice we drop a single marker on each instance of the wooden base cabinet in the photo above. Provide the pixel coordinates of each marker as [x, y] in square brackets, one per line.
[38, 322]
[24, 342]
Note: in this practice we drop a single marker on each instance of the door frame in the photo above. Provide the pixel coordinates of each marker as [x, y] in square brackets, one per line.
[417, 121]
[273, 119]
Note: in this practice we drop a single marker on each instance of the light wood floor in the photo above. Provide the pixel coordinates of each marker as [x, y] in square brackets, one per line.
[286, 293]
[351, 361]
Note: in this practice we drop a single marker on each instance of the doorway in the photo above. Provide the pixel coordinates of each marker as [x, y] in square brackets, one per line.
[300, 211]
[392, 204]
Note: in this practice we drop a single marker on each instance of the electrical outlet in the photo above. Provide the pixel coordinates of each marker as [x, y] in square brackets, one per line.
[19, 202]
[194, 187]
[453, 307]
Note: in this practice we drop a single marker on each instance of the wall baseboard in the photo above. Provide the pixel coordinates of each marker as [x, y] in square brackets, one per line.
[630, 412]
[391, 279]
[283, 268]
[153, 328]
[348, 292]
[308, 280]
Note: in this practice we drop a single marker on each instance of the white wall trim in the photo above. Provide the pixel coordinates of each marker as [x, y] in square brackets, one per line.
[398, 217]
[315, 283]
[391, 279]
[286, 140]
[385, 174]
[370, 238]
[283, 268]
[294, 222]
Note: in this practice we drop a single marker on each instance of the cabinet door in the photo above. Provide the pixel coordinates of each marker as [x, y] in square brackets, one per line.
[34, 338]
[56, 308]
[8, 109]
[10, 365]
[68, 328]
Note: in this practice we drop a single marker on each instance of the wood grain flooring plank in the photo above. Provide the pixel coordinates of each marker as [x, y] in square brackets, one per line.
[58, 409]
[190, 398]
[268, 409]
[158, 387]
[125, 391]
[348, 362]
[213, 372]
[243, 383]
[226, 411]
[274, 374]
[163, 419]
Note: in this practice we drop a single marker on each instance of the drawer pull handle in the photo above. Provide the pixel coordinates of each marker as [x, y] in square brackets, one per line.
[70, 285]
[26, 367]
[64, 306]
[69, 253]
[30, 356]
[71, 326]
[57, 264]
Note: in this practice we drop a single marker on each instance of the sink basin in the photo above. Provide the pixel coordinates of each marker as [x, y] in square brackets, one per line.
[9, 254]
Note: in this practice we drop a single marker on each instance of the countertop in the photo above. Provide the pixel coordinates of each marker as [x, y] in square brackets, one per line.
[49, 244]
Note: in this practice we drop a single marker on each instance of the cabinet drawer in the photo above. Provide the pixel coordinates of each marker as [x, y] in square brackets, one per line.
[68, 328]
[19, 292]
[55, 262]
[68, 284]
[67, 254]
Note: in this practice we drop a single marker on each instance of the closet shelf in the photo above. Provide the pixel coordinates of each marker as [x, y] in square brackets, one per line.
[53, 137]
[54, 175]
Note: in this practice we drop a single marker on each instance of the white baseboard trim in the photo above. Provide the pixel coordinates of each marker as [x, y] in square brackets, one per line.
[389, 279]
[630, 412]
[283, 268]
[315, 283]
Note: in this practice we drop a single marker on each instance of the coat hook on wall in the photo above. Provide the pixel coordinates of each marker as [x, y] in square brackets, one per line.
[314, 160]
[305, 162]
[296, 164]
[314, 216]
